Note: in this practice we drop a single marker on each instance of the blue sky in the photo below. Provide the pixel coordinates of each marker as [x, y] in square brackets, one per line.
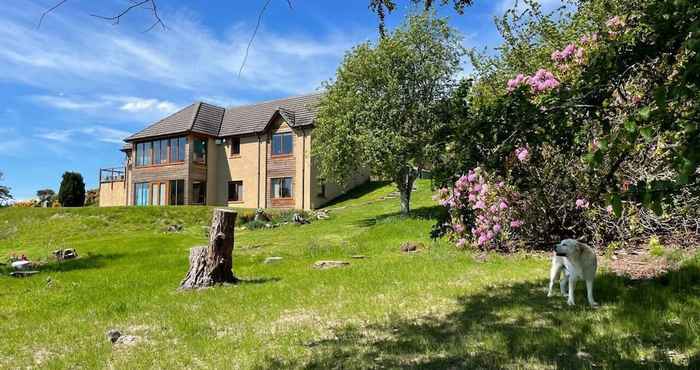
[71, 90]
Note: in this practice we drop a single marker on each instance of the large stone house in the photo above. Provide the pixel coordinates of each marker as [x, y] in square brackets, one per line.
[256, 156]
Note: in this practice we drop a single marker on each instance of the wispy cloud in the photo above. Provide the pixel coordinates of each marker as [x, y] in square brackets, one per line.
[99, 133]
[188, 56]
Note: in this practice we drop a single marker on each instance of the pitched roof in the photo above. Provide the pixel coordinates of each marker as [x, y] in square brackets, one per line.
[216, 121]
[300, 110]
[198, 117]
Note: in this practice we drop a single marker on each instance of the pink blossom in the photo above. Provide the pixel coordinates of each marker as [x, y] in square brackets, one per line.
[471, 177]
[472, 197]
[458, 228]
[503, 205]
[615, 23]
[480, 205]
[581, 203]
[522, 153]
[519, 79]
[609, 209]
[543, 80]
[500, 184]
[496, 228]
[461, 242]
[516, 224]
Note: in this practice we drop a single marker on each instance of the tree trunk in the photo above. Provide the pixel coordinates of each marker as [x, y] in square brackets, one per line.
[213, 264]
[405, 185]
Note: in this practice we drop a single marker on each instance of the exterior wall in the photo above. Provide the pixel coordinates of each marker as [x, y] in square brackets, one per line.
[240, 167]
[113, 194]
[254, 166]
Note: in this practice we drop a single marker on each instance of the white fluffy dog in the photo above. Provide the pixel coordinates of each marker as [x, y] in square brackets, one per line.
[578, 261]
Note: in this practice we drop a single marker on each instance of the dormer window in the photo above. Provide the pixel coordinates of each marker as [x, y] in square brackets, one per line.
[282, 144]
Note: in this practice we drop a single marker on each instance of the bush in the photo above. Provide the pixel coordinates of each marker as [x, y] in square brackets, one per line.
[72, 192]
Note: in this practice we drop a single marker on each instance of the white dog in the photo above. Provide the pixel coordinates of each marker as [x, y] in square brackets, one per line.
[578, 261]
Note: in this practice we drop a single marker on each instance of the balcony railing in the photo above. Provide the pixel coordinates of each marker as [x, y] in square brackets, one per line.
[112, 175]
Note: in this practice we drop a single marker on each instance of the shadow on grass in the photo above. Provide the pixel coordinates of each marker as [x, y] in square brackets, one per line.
[357, 192]
[261, 280]
[435, 213]
[639, 326]
[90, 261]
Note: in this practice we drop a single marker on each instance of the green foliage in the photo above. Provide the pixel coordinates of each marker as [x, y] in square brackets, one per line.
[382, 111]
[72, 191]
[655, 247]
[4, 192]
[622, 122]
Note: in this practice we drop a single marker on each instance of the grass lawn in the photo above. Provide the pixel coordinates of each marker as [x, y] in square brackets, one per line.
[439, 308]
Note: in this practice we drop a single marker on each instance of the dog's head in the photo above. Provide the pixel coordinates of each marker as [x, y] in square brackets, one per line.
[567, 247]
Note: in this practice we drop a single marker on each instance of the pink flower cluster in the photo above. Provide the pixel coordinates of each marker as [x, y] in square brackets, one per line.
[490, 203]
[522, 154]
[615, 24]
[582, 203]
[571, 51]
[541, 81]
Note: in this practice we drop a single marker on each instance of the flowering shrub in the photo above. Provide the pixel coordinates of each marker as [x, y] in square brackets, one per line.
[481, 210]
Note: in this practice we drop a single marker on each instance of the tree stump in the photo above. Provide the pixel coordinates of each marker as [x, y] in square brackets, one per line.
[213, 264]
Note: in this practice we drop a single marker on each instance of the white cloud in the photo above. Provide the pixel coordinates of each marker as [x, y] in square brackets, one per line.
[70, 51]
[99, 133]
[107, 105]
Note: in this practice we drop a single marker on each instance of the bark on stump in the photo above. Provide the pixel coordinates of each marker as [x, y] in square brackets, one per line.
[213, 264]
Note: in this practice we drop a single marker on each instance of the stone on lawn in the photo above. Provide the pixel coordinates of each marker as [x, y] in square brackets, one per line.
[269, 260]
[410, 247]
[322, 265]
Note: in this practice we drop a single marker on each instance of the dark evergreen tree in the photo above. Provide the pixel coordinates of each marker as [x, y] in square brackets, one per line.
[72, 192]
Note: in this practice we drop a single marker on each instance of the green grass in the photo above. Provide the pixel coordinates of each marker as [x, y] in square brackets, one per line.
[438, 308]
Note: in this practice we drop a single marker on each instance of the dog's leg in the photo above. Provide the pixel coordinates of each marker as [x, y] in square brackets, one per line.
[554, 275]
[564, 284]
[589, 288]
[572, 285]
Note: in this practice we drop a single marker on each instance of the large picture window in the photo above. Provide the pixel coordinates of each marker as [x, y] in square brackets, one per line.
[141, 194]
[157, 152]
[281, 187]
[282, 144]
[177, 192]
[235, 191]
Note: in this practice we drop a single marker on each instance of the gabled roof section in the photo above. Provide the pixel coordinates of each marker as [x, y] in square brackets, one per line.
[198, 117]
[297, 111]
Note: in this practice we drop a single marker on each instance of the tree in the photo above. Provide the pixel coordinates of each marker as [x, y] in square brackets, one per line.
[46, 196]
[4, 191]
[72, 191]
[382, 111]
[382, 7]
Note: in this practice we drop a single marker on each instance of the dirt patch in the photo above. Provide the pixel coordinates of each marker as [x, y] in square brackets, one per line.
[640, 264]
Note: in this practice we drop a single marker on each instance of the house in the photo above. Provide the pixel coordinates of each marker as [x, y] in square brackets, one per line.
[255, 156]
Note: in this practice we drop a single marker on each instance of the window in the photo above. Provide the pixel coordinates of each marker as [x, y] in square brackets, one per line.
[156, 152]
[177, 192]
[199, 193]
[177, 149]
[282, 144]
[281, 187]
[235, 191]
[141, 194]
[235, 146]
[200, 150]
[160, 151]
[158, 194]
[140, 147]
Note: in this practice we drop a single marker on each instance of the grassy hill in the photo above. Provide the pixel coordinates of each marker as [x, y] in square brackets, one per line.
[438, 308]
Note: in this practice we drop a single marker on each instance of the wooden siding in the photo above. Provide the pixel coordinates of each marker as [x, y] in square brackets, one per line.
[280, 166]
